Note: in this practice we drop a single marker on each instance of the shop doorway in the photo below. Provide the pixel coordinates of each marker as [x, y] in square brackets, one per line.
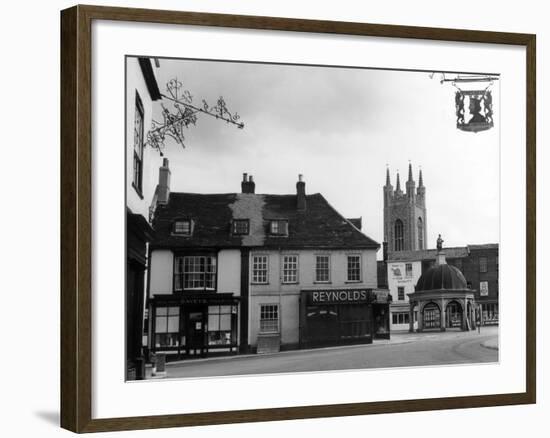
[195, 333]
[322, 324]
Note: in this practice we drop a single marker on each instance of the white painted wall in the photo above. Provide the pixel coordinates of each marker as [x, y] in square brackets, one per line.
[161, 271]
[397, 277]
[151, 159]
[229, 271]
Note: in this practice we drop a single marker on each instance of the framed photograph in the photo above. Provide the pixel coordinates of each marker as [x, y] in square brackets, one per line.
[271, 218]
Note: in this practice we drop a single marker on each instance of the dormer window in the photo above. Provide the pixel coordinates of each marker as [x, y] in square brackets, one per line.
[241, 227]
[278, 227]
[182, 227]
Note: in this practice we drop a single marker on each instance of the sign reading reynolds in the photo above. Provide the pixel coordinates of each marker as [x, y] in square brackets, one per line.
[337, 296]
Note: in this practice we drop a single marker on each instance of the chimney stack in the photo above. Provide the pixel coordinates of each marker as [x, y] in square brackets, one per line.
[300, 194]
[248, 185]
[164, 183]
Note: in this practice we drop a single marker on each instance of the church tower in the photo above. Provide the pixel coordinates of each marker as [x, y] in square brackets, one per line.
[405, 222]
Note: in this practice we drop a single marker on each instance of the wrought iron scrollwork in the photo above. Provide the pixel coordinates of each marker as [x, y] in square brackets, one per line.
[182, 114]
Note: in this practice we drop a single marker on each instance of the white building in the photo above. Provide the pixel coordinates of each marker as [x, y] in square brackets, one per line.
[141, 93]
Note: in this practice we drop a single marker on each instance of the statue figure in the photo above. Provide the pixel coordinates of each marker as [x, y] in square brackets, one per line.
[439, 243]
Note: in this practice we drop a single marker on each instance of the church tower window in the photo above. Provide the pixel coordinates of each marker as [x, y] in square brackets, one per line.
[398, 235]
[420, 234]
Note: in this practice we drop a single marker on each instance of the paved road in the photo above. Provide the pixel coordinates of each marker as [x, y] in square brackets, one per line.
[402, 350]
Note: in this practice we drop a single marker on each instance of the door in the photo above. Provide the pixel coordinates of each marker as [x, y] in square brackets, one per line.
[195, 332]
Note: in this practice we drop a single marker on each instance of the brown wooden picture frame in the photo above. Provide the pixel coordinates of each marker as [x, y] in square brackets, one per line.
[76, 217]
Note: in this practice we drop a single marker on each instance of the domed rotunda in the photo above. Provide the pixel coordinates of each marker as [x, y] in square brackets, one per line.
[443, 298]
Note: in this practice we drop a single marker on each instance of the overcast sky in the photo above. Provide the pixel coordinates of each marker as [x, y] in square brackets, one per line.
[340, 127]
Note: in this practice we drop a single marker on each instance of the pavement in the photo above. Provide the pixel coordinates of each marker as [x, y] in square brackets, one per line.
[402, 350]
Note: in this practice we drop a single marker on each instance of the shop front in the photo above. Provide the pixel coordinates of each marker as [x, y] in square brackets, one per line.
[191, 325]
[339, 316]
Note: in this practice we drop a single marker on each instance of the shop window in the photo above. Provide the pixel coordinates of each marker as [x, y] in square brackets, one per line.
[167, 320]
[400, 293]
[269, 318]
[138, 145]
[241, 227]
[182, 227]
[290, 269]
[408, 269]
[483, 264]
[400, 318]
[354, 321]
[354, 268]
[260, 269]
[195, 272]
[490, 313]
[278, 227]
[322, 268]
[221, 325]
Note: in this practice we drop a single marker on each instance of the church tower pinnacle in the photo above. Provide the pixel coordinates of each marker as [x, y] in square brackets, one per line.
[410, 184]
[398, 185]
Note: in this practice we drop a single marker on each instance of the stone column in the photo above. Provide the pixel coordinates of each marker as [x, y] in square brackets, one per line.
[411, 317]
[420, 317]
[442, 304]
[464, 314]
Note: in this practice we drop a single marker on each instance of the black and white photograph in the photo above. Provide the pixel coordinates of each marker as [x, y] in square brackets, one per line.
[287, 218]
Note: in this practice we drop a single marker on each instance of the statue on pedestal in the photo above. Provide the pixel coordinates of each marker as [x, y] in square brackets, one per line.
[439, 243]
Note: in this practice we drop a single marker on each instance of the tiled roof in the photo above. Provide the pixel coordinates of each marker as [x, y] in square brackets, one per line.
[319, 226]
[484, 246]
[428, 254]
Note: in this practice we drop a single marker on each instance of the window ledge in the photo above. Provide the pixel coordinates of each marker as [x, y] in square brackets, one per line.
[353, 281]
[322, 282]
[254, 283]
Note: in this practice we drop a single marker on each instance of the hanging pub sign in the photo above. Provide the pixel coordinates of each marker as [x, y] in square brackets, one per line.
[473, 106]
[480, 109]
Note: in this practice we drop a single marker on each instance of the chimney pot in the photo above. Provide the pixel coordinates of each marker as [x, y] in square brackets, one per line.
[248, 185]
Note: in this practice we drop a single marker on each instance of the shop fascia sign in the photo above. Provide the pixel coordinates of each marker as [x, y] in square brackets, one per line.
[338, 296]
